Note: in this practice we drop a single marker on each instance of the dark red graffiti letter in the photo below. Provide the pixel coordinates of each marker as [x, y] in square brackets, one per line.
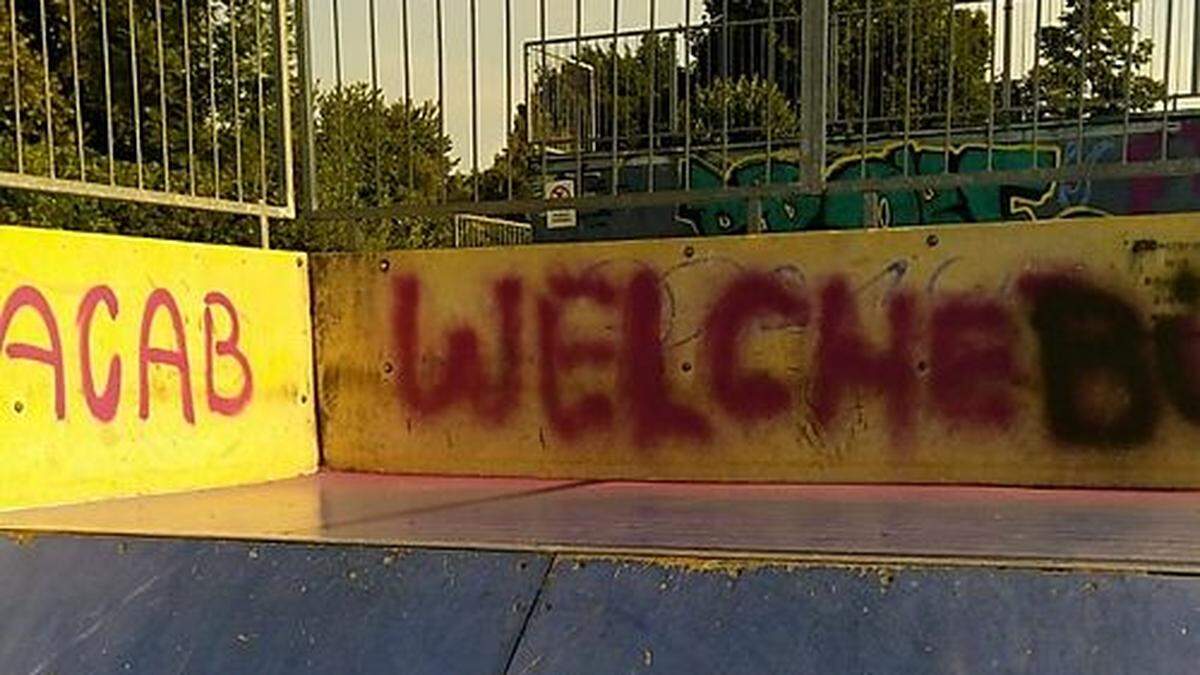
[103, 406]
[972, 365]
[845, 361]
[643, 376]
[28, 296]
[1177, 340]
[494, 404]
[1095, 363]
[592, 410]
[463, 376]
[230, 348]
[747, 395]
[176, 358]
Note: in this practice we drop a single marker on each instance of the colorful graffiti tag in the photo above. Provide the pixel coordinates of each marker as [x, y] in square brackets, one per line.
[977, 203]
[971, 204]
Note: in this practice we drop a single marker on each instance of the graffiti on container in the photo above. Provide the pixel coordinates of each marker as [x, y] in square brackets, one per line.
[965, 204]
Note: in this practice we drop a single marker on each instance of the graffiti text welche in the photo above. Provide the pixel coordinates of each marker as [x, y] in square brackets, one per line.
[1103, 375]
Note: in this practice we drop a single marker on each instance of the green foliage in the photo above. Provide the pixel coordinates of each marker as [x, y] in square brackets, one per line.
[513, 163]
[874, 46]
[753, 106]
[562, 93]
[374, 153]
[1099, 84]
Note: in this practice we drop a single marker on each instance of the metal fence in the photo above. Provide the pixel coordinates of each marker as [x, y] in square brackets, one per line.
[808, 86]
[471, 231]
[432, 108]
[171, 103]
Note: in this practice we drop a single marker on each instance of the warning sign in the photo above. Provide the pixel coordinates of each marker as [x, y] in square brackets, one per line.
[560, 218]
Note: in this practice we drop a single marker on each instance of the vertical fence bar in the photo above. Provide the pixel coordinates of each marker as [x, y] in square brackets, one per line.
[1006, 101]
[408, 104]
[908, 87]
[991, 122]
[616, 74]
[813, 86]
[441, 87]
[46, 87]
[262, 118]
[835, 66]
[282, 76]
[1167, 81]
[543, 81]
[652, 98]
[137, 106]
[770, 42]
[474, 99]
[687, 95]
[576, 98]
[376, 113]
[212, 102]
[335, 6]
[162, 96]
[1129, 86]
[949, 91]
[187, 97]
[529, 139]
[508, 97]
[16, 73]
[1081, 84]
[725, 87]
[1036, 77]
[237, 101]
[75, 90]
[308, 151]
[895, 54]
[865, 90]
[108, 116]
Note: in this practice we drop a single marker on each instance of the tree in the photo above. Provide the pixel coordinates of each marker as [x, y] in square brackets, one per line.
[514, 163]
[868, 46]
[374, 153]
[345, 118]
[573, 97]
[752, 109]
[1092, 60]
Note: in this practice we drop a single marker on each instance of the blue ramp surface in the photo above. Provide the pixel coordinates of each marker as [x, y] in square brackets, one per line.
[105, 605]
[117, 605]
[605, 617]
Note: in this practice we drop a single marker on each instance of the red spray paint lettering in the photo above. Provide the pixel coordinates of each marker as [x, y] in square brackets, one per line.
[103, 404]
[959, 359]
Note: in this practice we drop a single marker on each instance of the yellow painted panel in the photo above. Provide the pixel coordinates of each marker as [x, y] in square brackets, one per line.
[1064, 353]
[135, 367]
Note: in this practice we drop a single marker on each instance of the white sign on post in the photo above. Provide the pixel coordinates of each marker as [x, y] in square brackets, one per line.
[560, 218]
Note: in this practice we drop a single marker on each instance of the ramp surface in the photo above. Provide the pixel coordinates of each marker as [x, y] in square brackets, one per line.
[105, 605]
[1141, 531]
[116, 604]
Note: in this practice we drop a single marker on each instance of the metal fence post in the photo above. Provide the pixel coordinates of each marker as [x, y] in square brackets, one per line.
[814, 27]
[756, 224]
[308, 167]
